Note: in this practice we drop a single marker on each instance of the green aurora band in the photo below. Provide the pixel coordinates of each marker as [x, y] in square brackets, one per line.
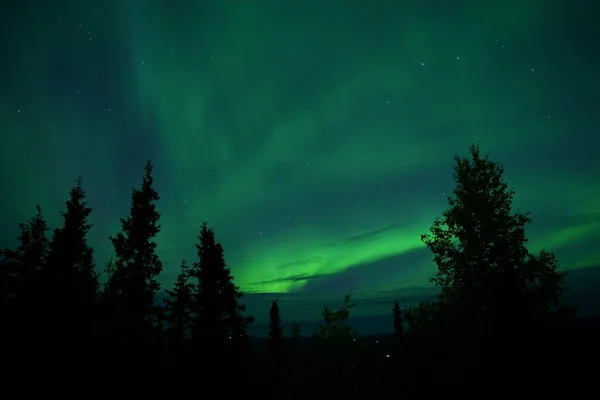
[317, 137]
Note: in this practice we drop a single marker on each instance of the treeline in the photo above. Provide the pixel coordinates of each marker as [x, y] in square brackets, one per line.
[498, 315]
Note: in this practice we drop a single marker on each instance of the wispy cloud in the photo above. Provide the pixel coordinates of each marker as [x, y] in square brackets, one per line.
[370, 235]
[292, 278]
[299, 263]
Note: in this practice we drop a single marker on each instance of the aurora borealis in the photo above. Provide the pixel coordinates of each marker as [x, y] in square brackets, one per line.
[316, 137]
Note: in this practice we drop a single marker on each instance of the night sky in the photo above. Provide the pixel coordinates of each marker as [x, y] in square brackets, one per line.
[316, 137]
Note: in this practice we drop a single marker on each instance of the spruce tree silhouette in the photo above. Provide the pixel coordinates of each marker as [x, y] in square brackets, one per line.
[26, 307]
[128, 298]
[275, 331]
[71, 281]
[485, 271]
[397, 314]
[218, 326]
[178, 315]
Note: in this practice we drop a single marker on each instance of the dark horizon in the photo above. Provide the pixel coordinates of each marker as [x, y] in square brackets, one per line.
[372, 313]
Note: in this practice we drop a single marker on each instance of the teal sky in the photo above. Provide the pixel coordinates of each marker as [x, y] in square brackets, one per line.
[316, 137]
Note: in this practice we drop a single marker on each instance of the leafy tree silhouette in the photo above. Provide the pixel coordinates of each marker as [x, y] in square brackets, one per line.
[131, 287]
[218, 325]
[397, 314]
[24, 307]
[422, 318]
[70, 278]
[485, 271]
[275, 331]
[336, 343]
[335, 322]
[178, 313]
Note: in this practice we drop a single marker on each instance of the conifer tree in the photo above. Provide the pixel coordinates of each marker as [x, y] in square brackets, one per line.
[132, 283]
[24, 292]
[70, 274]
[26, 263]
[235, 309]
[479, 246]
[397, 313]
[217, 310]
[178, 310]
[275, 330]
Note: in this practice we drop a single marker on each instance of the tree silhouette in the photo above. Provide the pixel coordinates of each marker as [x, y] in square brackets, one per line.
[479, 246]
[23, 290]
[499, 305]
[8, 281]
[295, 330]
[27, 261]
[295, 333]
[132, 285]
[336, 344]
[70, 275]
[275, 330]
[397, 314]
[178, 312]
[335, 322]
[217, 312]
[421, 318]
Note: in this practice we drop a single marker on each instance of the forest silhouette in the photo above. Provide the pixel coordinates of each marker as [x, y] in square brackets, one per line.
[498, 319]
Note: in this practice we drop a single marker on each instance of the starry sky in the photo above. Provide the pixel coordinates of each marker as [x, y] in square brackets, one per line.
[316, 137]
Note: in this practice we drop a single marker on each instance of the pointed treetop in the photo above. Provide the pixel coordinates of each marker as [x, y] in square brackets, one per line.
[148, 168]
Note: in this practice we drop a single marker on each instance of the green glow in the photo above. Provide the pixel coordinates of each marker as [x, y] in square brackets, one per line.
[315, 111]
